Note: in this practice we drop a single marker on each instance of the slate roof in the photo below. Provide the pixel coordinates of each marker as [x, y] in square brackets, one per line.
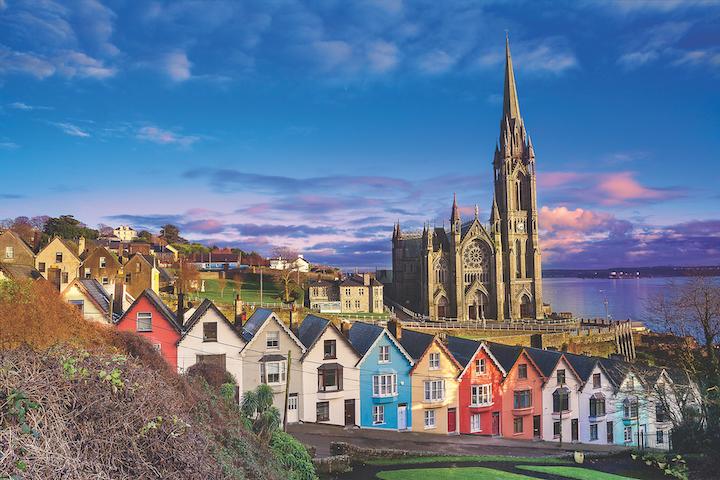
[200, 312]
[98, 294]
[546, 360]
[415, 343]
[253, 324]
[159, 305]
[463, 349]
[616, 370]
[363, 335]
[20, 272]
[357, 281]
[506, 355]
[310, 329]
[582, 364]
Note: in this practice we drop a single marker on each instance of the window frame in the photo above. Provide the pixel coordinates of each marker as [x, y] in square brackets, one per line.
[480, 392]
[325, 406]
[475, 423]
[378, 414]
[597, 380]
[522, 395]
[333, 350]
[149, 318]
[522, 371]
[480, 366]
[207, 338]
[518, 421]
[384, 385]
[265, 375]
[434, 361]
[429, 419]
[272, 344]
[594, 432]
[434, 391]
[384, 354]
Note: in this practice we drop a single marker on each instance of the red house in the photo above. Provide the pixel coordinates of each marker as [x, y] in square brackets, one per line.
[479, 396]
[150, 317]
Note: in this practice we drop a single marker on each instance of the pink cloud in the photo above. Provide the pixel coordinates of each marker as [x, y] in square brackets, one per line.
[621, 188]
[557, 179]
[205, 226]
[562, 218]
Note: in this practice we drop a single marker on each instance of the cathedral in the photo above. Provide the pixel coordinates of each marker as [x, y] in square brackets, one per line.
[475, 270]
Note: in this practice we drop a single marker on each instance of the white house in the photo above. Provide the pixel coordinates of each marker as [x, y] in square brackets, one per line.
[125, 233]
[91, 299]
[596, 400]
[663, 406]
[630, 405]
[299, 264]
[210, 337]
[269, 342]
[330, 379]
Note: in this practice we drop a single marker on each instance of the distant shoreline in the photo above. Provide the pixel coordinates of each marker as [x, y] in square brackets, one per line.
[632, 272]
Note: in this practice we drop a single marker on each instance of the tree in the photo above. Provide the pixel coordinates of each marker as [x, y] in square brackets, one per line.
[222, 283]
[145, 236]
[171, 234]
[68, 227]
[188, 278]
[257, 407]
[286, 253]
[105, 230]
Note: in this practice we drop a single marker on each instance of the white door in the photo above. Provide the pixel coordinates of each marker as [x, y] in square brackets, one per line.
[292, 408]
[402, 417]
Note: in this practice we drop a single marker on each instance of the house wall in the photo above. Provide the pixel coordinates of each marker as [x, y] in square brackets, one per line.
[607, 389]
[636, 425]
[376, 299]
[163, 334]
[399, 365]
[21, 252]
[256, 348]
[142, 279]
[111, 270]
[572, 383]
[346, 357]
[69, 265]
[448, 371]
[90, 310]
[511, 384]
[493, 376]
[228, 343]
[350, 295]
[663, 388]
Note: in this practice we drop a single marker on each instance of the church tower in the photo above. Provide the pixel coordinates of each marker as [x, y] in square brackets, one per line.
[515, 200]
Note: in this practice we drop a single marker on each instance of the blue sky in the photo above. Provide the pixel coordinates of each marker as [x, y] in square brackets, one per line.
[316, 125]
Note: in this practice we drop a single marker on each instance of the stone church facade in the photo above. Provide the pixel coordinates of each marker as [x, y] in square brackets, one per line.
[481, 271]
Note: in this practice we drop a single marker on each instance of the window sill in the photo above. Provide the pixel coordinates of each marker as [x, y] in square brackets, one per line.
[432, 427]
[383, 362]
[210, 341]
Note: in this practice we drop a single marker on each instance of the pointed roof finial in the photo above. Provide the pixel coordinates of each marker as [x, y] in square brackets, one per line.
[495, 215]
[476, 211]
[455, 214]
[511, 107]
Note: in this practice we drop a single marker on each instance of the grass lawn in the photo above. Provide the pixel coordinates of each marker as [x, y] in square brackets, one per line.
[465, 473]
[572, 472]
[249, 290]
[467, 458]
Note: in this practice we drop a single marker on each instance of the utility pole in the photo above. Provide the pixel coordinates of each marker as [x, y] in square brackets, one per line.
[287, 390]
[261, 286]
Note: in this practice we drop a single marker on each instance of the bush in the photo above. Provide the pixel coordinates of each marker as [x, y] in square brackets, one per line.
[212, 373]
[293, 456]
[138, 347]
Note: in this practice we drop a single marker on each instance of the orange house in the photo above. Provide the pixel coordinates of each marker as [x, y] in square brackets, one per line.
[521, 394]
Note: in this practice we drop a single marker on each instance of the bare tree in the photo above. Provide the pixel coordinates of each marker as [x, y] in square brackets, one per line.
[222, 283]
[286, 253]
[188, 279]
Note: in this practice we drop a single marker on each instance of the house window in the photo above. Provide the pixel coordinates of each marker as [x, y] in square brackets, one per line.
[522, 399]
[560, 376]
[210, 332]
[157, 347]
[434, 390]
[41, 267]
[329, 348]
[105, 280]
[480, 367]
[323, 411]
[597, 406]
[630, 408]
[561, 400]
[660, 437]
[347, 291]
[138, 267]
[128, 278]
[475, 423]
[357, 303]
[272, 372]
[9, 252]
[522, 370]
[293, 401]
[272, 340]
[593, 431]
[518, 425]
[434, 361]
[144, 322]
[481, 395]
[58, 257]
[378, 414]
[384, 354]
[330, 377]
[385, 385]
[660, 414]
[596, 380]
[627, 437]
[103, 263]
[347, 304]
[610, 432]
[65, 277]
[80, 304]
[429, 418]
[557, 429]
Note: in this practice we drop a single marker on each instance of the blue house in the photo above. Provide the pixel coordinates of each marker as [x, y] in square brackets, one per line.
[385, 387]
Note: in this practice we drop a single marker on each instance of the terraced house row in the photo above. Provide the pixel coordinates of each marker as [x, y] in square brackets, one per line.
[393, 378]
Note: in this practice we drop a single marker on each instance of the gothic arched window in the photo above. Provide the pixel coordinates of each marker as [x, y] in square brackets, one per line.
[518, 259]
[476, 258]
[441, 270]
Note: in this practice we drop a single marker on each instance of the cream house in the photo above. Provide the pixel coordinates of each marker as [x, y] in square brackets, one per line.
[265, 359]
[59, 262]
[210, 337]
[330, 380]
[92, 300]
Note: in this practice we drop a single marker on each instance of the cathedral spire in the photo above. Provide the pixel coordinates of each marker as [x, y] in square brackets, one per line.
[511, 107]
[495, 215]
[455, 214]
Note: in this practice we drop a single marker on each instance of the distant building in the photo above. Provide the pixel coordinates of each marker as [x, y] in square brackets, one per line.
[14, 250]
[356, 293]
[215, 260]
[299, 264]
[125, 233]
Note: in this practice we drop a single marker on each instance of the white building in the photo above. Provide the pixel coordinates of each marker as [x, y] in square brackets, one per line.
[596, 402]
[330, 380]
[299, 264]
[210, 337]
[125, 233]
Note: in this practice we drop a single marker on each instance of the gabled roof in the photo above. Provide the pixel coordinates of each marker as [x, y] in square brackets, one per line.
[616, 370]
[258, 319]
[99, 249]
[582, 364]
[415, 343]
[354, 280]
[19, 240]
[506, 355]
[200, 312]
[363, 337]
[97, 294]
[20, 272]
[464, 350]
[316, 327]
[546, 360]
[159, 305]
[72, 247]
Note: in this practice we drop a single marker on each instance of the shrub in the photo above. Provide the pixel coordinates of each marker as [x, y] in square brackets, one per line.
[138, 347]
[212, 373]
[293, 456]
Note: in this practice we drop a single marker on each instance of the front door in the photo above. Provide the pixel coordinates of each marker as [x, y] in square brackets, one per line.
[641, 437]
[610, 433]
[472, 312]
[452, 414]
[536, 426]
[402, 417]
[496, 423]
[441, 311]
[350, 412]
[574, 429]
[292, 414]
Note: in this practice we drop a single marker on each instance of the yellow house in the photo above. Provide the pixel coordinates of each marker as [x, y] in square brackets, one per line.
[434, 382]
[59, 262]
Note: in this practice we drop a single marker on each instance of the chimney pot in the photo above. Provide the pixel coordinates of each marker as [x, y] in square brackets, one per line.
[395, 327]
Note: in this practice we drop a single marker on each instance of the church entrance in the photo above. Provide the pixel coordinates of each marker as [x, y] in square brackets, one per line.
[442, 307]
[526, 310]
[478, 308]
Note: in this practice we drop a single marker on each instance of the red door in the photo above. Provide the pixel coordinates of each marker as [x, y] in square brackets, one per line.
[451, 420]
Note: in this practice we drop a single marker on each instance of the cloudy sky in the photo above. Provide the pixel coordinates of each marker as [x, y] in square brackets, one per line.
[318, 124]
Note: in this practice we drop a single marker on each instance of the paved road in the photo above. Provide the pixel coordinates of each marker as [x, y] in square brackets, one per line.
[320, 437]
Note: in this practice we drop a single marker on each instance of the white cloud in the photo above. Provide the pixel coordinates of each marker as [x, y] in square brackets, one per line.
[72, 130]
[177, 65]
[12, 62]
[160, 136]
[26, 107]
[435, 62]
[382, 56]
[77, 64]
[332, 54]
[541, 56]
[9, 145]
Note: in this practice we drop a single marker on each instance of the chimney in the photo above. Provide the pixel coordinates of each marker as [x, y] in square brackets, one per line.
[181, 309]
[366, 279]
[81, 245]
[442, 336]
[395, 327]
[536, 340]
[345, 328]
[238, 311]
